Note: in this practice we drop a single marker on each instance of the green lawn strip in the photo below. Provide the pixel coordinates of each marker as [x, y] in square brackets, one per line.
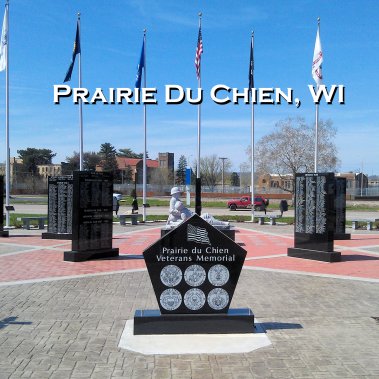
[15, 219]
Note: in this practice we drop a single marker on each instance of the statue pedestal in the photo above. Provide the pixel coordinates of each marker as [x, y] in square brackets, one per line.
[324, 256]
[4, 233]
[234, 321]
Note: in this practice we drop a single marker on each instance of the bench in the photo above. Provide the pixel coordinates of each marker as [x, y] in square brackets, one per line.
[40, 220]
[272, 218]
[369, 223]
[133, 217]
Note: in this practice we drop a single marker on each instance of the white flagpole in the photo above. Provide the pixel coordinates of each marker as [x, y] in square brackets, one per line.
[252, 143]
[198, 179]
[7, 168]
[316, 139]
[316, 126]
[144, 134]
[80, 103]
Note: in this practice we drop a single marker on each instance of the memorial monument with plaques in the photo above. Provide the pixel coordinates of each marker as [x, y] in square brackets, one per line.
[92, 217]
[340, 199]
[315, 217]
[3, 233]
[194, 270]
[60, 198]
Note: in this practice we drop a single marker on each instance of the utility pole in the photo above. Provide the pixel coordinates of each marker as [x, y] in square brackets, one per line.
[223, 166]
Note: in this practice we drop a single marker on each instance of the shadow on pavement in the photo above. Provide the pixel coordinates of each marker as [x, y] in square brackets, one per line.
[358, 257]
[279, 325]
[12, 321]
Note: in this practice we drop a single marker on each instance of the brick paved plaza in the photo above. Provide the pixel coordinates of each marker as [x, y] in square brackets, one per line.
[64, 320]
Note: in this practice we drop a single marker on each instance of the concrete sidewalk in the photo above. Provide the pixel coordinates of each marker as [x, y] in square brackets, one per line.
[64, 320]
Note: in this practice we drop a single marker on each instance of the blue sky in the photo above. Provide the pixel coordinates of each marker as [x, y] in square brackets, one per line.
[42, 35]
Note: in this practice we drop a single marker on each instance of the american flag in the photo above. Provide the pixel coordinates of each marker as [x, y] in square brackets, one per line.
[197, 234]
[199, 51]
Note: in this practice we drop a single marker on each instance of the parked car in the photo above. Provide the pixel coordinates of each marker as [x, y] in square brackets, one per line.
[245, 203]
[118, 196]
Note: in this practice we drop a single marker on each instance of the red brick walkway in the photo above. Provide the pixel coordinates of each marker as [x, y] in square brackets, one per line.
[31, 258]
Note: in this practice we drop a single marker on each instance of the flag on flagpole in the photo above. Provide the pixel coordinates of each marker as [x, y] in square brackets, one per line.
[4, 42]
[251, 67]
[317, 60]
[74, 53]
[140, 66]
[199, 51]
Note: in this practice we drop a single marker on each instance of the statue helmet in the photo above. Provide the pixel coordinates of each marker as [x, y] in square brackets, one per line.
[175, 190]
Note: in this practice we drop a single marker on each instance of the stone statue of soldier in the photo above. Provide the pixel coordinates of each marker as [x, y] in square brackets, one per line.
[178, 212]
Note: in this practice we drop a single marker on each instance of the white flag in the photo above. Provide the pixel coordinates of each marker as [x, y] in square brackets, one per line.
[4, 42]
[317, 60]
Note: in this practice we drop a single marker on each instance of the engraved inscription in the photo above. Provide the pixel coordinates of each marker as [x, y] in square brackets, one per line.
[218, 298]
[195, 275]
[320, 205]
[194, 299]
[218, 275]
[170, 299]
[299, 205]
[310, 204]
[171, 275]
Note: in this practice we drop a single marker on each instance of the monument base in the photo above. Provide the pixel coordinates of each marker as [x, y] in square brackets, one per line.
[85, 255]
[342, 236]
[4, 233]
[153, 322]
[56, 236]
[228, 231]
[316, 255]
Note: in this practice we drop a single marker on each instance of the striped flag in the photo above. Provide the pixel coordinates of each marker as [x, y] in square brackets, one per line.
[317, 60]
[199, 51]
[197, 234]
[4, 42]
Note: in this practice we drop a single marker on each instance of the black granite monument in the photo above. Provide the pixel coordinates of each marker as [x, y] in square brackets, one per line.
[92, 217]
[3, 233]
[315, 217]
[194, 270]
[60, 198]
[340, 199]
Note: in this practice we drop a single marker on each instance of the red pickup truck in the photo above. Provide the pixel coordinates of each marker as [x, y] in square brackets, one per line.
[245, 203]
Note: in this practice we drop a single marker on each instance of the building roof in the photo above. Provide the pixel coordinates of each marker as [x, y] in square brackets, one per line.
[152, 163]
[123, 162]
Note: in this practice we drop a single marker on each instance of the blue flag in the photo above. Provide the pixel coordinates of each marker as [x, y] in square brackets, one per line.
[74, 53]
[140, 66]
[251, 65]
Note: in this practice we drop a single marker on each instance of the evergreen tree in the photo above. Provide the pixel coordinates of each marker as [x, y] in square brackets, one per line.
[129, 153]
[181, 171]
[108, 159]
[234, 179]
[32, 157]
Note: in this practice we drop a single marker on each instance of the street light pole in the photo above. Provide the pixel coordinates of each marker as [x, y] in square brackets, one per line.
[223, 166]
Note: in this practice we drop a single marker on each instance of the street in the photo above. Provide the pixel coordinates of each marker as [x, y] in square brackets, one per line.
[350, 215]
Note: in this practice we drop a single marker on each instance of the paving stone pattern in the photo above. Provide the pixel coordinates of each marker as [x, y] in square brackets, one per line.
[319, 328]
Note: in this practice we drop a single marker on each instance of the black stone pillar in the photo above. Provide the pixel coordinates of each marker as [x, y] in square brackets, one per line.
[92, 217]
[315, 217]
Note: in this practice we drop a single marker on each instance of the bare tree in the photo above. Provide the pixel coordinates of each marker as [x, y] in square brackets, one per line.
[290, 149]
[211, 170]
